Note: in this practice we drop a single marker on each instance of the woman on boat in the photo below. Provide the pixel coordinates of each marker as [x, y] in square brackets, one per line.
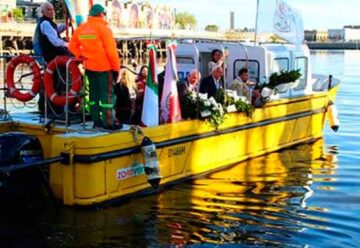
[126, 95]
[140, 85]
[216, 59]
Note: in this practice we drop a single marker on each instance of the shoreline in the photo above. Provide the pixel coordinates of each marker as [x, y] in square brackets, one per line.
[333, 45]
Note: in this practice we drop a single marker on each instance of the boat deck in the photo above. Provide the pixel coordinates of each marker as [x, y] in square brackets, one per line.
[75, 129]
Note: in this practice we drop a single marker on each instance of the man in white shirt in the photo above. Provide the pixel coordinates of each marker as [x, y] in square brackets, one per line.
[242, 84]
[47, 40]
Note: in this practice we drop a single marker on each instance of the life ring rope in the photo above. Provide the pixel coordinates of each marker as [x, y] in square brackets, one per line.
[75, 79]
[10, 82]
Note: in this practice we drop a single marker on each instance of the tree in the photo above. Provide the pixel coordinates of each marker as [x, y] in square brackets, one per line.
[18, 14]
[185, 20]
[60, 9]
[212, 28]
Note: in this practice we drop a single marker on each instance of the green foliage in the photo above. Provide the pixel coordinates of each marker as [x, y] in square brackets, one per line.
[283, 77]
[185, 20]
[244, 107]
[212, 28]
[220, 96]
[18, 14]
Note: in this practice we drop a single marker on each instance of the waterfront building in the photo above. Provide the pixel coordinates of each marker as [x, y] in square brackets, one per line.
[346, 34]
[316, 35]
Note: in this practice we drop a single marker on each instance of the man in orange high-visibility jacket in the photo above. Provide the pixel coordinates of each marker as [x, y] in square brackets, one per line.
[94, 42]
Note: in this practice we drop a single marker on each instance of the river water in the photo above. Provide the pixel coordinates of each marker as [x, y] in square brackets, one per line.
[305, 196]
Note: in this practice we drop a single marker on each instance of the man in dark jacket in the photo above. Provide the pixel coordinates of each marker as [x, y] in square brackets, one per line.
[211, 84]
[190, 84]
[47, 40]
[48, 44]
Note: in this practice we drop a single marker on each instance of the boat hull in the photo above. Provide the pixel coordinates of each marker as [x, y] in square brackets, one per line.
[104, 167]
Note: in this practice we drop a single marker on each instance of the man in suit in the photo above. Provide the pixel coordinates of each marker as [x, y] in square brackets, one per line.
[211, 84]
[190, 84]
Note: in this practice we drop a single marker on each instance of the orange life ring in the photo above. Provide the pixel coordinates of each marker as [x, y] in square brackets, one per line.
[10, 69]
[75, 79]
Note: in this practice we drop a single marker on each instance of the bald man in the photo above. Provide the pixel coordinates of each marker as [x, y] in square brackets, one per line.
[211, 84]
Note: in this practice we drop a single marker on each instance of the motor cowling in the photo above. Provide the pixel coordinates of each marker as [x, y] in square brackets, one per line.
[151, 162]
[18, 147]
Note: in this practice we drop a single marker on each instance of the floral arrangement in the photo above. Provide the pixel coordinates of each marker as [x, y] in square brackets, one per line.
[213, 109]
[283, 77]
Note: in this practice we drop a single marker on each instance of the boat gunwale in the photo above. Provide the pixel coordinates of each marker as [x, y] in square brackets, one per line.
[93, 158]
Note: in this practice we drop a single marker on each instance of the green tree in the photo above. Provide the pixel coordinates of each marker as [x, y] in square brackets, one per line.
[18, 14]
[185, 20]
[212, 28]
[60, 9]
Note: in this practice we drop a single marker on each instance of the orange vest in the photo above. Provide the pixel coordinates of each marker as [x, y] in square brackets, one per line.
[94, 41]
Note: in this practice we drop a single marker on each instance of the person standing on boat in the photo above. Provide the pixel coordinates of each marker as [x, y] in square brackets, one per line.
[211, 84]
[126, 95]
[242, 84]
[48, 44]
[216, 60]
[190, 84]
[47, 40]
[94, 42]
[140, 85]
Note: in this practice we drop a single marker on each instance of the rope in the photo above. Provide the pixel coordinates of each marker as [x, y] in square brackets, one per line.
[136, 132]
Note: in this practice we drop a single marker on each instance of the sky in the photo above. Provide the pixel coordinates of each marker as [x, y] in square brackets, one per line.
[317, 14]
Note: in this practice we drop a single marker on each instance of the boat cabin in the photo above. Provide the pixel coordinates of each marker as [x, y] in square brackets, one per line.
[261, 60]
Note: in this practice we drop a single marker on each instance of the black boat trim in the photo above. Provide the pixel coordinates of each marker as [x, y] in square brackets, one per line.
[132, 150]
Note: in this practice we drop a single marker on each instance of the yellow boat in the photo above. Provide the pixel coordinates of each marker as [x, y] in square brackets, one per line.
[88, 166]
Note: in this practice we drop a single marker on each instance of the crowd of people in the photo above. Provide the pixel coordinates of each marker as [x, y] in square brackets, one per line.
[115, 95]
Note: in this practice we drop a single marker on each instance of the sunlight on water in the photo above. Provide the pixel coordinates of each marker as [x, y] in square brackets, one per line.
[307, 195]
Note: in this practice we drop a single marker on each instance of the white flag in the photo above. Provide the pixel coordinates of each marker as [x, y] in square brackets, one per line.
[278, 17]
[170, 104]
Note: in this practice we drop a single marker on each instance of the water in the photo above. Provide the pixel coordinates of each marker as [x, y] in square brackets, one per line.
[305, 196]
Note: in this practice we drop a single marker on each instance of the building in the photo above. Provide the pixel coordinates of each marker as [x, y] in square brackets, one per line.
[346, 34]
[336, 34]
[351, 34]
[315, 35]
[310, 35]
[322, 36]
[6, 7]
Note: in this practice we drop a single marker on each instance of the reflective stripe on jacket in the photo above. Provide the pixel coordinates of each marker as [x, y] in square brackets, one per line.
[94, 41]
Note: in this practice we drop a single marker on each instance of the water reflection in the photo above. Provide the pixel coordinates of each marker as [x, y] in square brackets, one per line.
[263, 201]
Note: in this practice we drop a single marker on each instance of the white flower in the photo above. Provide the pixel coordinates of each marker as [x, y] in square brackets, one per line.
[231, 108]
[212, 101]
[203, 96]
[193, 96]
[243, 98]
[207, 103]
[205, 113]
[266, 92]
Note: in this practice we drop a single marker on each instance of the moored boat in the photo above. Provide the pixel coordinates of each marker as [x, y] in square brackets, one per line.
[89, 166]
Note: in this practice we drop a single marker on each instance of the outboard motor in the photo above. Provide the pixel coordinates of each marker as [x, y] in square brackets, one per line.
[19, 148]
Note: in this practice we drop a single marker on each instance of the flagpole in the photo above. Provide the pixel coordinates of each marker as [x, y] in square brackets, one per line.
[256, 21]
